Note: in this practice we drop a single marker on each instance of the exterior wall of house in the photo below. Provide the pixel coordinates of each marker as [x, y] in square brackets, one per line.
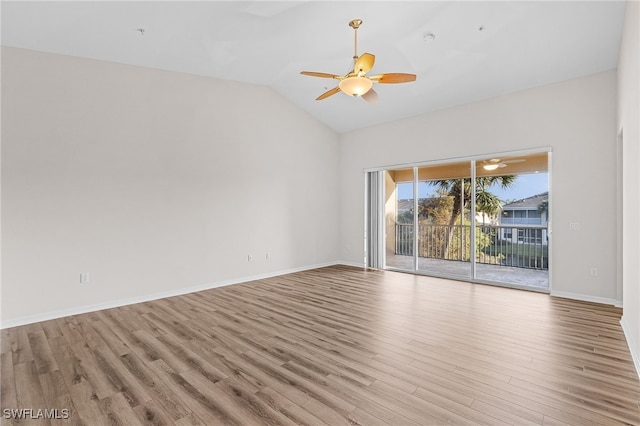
[528, 218]
[576, 118]
[154, 183]
[628, 127]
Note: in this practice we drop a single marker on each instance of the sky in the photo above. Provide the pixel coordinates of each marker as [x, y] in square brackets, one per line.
[525, 186]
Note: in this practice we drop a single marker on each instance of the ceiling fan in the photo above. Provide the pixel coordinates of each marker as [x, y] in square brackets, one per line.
[355, 82]
[496, 163]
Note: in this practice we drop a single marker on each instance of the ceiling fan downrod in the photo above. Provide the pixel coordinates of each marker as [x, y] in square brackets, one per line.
[355, 24]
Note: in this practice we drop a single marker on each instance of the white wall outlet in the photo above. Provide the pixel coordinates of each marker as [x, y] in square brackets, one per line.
[249, 258]
[84, 278]
[574, 226]
[594, 272]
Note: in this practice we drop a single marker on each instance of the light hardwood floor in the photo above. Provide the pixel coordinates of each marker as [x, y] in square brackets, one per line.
[336, 345]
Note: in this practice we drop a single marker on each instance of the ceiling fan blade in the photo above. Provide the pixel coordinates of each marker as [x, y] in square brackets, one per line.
[328, 93]
[521, 160]
[320, 74]
[371, 96]
[364, 63]
[391, 78]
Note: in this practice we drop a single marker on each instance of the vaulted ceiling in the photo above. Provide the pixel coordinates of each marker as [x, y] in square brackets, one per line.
[480, 49]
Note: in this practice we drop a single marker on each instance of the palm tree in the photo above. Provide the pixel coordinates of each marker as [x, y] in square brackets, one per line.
[460, 190]
[543, 207]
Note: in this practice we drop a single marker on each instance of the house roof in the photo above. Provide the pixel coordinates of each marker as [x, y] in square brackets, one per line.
[530, 202]
[479, 49]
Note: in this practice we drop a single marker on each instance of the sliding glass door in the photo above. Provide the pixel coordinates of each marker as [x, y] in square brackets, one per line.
[482, 219]
[443, 216]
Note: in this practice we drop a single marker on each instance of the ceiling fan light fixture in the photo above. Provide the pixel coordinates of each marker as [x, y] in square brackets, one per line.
[491, 166]
[355, 86]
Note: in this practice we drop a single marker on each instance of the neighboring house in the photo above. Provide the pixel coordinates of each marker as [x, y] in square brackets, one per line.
[529, 220]
[405, 205]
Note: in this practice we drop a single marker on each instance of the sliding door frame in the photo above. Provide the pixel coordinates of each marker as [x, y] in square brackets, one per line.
[374, 238]
[472, 161]
[416, 240]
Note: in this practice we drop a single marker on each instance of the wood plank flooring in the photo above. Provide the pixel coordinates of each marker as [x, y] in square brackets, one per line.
[336, 345]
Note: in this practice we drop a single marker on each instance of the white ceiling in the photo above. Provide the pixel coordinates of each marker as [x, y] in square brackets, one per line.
[523, 45]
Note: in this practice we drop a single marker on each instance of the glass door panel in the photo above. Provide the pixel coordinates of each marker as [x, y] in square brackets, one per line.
[444, 227]
[512, 205]
[399, 203]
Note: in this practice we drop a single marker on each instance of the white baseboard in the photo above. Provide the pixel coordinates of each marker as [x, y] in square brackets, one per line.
[354, 264]
[585, 298]
[30, 319]
[633, 348]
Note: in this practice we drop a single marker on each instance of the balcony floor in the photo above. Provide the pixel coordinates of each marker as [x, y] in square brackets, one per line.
[502, 274]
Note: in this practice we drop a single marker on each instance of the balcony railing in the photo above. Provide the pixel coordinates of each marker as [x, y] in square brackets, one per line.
[522, 247]
[521, 220]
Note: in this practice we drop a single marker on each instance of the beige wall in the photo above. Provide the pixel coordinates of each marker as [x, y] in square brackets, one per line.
[152, 182]
[575, 118]
[629, 127]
